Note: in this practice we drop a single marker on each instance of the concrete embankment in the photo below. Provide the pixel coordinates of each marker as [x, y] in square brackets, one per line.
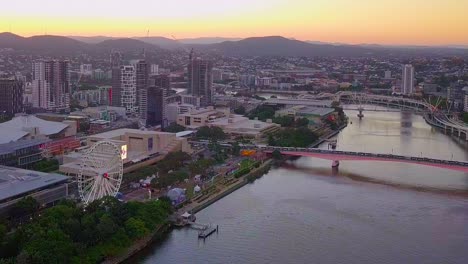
[229, 189]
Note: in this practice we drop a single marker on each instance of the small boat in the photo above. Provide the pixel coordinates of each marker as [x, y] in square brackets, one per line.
[335, 164]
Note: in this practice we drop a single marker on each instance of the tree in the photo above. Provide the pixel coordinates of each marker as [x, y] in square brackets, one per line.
[49, 246]
[301, 122]
[200, 166]
[291, 137]
[235, 149]
[276, 154]
[240, 110]
[26, 206]
[262, 112]
[465, 117]
[284, 121]
[213, 133]
[135, 228]
[174, 128]
[335, 104]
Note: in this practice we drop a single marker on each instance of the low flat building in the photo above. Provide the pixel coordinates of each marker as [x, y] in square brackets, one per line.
[237, 125]
[46, 188]
[291, 102]
[29, 127]
[315, 115]
[198, 117]
[22, 153]
[140, 145]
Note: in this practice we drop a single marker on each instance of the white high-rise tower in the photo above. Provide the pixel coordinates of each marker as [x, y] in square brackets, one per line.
[407, 79]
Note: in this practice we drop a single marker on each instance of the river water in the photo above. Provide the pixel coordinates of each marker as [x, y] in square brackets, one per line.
[366, 212]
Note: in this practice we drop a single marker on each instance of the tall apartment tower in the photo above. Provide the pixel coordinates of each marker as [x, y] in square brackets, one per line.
[407, 79]
[128, 91]
[200, 79]
[11, 96]
[115, 94]
[142, 70]
[156, 114]
[51, 85]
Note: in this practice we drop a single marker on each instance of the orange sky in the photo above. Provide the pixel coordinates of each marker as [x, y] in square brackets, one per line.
[430, 22]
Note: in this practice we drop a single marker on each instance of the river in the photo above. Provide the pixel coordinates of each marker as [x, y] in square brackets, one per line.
[366, 212]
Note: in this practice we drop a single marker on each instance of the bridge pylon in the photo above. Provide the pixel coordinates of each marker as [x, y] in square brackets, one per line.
[360, 115]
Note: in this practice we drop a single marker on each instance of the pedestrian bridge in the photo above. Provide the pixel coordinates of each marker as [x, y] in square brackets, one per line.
[364, 156]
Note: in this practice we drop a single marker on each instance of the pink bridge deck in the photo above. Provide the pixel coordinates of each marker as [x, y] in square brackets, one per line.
[367, 158]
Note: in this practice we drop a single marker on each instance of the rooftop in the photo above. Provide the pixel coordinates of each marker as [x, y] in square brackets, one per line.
[122, 131]
[18, 127]
[15, 181]
[20, 144]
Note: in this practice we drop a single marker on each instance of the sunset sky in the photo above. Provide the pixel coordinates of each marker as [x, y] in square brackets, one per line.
[427, 22]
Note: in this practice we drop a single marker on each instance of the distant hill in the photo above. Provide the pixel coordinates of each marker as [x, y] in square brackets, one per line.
[59, 45]
[257, 46]
[125, 44]
[207, 40]
[165, 43]
[91, 40]
[44, 43]
[280, 46]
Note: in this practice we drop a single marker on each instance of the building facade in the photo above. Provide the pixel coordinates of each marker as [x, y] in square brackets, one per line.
[407, 79]
[162, 81]
[156, 110]
[128, 91]
[141, 75]
[200, 80]
[11, 96]
[51, 85]
[115, 61]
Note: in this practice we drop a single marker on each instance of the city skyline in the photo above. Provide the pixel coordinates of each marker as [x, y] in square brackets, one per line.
[383, 22]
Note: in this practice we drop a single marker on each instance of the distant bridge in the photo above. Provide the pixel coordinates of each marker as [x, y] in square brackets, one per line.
[340, 155]
[431, 114]
[353, 155]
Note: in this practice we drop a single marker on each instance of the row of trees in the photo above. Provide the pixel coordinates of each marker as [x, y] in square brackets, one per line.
[465, 117]
[293, 137]
[68, 233]
[262, 112]
[211, 133]
[289, 121]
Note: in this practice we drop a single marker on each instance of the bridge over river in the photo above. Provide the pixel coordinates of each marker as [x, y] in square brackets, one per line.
[337, 155]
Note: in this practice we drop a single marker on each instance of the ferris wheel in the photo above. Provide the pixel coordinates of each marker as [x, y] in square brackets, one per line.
[101, 171]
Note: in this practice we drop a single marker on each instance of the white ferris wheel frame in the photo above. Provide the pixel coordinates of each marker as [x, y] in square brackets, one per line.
[101, 172]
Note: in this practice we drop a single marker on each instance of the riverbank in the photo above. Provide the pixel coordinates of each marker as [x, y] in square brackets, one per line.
[140, 244]
[193, 208]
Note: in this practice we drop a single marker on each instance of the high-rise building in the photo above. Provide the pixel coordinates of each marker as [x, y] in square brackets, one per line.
[200, 79]
[141, 74]
[162, 81]
[51, 85]
[128, 91]
[154, 69]
[11, 96]
[156, 113]
[407, 79]
[116, 61]
[86, 69]
[465, 103]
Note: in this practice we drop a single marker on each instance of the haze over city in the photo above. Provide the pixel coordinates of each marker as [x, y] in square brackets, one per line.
[395, 22]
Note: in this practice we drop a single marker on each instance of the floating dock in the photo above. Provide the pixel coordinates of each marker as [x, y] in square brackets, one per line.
[207, 232]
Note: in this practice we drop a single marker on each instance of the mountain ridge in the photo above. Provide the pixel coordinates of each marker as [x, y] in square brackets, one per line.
[254, 46]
